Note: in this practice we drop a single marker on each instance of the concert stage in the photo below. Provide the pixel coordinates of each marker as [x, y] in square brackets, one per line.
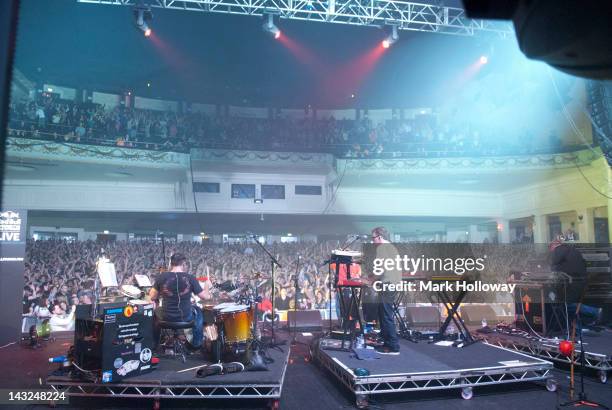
[167, 382]
[597, 347]
[424, 366]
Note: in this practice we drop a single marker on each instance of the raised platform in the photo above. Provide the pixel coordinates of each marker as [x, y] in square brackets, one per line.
[425, 366]
[597, 349]
[167, 381]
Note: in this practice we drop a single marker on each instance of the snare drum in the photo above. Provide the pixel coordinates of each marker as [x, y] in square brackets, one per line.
[236, 320]
[218, 308]
[140, 302]
[130, 291]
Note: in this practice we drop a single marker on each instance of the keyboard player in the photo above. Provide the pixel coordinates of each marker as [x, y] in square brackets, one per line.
[388, 330]
[567, 259]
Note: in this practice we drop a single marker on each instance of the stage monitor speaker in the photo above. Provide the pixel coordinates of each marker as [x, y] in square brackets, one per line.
[304, 319]
[473, 314]
[423, 316]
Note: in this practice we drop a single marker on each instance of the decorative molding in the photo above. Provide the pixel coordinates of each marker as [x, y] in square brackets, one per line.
[261, 156]
[537, 161]
[37, 149]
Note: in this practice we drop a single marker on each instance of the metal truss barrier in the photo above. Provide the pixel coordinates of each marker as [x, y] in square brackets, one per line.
[155, 391]
[596, 361]
[405, 15]
[465, 380]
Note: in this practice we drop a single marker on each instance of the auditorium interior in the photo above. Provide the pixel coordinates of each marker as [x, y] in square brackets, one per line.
[196, 195]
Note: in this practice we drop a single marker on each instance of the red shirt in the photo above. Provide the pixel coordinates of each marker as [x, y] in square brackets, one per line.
[265, 305]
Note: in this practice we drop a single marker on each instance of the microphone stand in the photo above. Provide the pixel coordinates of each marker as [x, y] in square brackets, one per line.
[273, 263]
[163, 251]
[582, 400]
[295, 302]
[355, 239]
[96, 289]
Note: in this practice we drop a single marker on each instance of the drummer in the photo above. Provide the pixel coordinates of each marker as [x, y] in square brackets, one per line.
[174, 288]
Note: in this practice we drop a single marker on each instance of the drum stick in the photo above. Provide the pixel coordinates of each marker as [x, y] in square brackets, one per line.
[192, 368]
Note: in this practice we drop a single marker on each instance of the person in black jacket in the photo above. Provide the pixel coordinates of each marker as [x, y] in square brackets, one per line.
[569, 260]
[175, 288]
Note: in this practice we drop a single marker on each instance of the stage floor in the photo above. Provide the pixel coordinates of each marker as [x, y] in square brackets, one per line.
[428, 366]
[305, 386]
[424, 357]
[175, 379]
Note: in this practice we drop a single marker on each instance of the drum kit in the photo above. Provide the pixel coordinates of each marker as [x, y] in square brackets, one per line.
[230, 321]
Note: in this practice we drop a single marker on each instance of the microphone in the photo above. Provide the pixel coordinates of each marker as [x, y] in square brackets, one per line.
[360, 236]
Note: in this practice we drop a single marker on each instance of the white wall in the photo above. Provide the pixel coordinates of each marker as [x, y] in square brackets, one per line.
[380, 116]
[348, 114]
[556, 194]
[65, 93]
[250, 112]
[108, 100]
[457, 235]
[373, 201]
[209, 109]
[223, 202]
[67, 195]
[293, 113]
[82, 234]
[154, 104]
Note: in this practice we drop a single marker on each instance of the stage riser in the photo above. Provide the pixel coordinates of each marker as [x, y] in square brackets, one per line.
[532, 370]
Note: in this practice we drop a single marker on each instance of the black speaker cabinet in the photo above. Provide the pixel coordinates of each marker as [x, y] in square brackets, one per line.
[304, 319]
[118, 343]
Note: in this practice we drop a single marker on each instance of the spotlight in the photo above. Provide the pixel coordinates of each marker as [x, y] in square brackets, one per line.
[142, 17]
[271, 28]
[391, 38]
[484, 59]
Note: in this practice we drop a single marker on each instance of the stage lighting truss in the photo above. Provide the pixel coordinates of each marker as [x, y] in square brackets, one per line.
[405, 15]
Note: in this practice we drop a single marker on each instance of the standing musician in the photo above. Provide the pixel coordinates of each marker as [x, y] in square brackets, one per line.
[567, 259]
[388, 331]
[174, 288]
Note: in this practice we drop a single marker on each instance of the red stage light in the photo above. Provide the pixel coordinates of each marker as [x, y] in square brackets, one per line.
[566, 347]
[484, 59]
[147, 32]
[277, 35]
[386, 44]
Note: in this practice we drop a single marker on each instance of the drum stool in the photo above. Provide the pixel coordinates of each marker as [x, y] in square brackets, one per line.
[170, 334]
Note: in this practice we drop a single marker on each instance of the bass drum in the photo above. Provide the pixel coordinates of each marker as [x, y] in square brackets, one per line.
[236, 321]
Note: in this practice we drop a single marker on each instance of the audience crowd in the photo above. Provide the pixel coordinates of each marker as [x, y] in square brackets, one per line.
[89, 123]
[60, 274]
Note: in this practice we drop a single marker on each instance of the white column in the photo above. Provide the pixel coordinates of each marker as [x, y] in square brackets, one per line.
[586, 225]
[503, 230]
[540, 229]
[473, 234]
